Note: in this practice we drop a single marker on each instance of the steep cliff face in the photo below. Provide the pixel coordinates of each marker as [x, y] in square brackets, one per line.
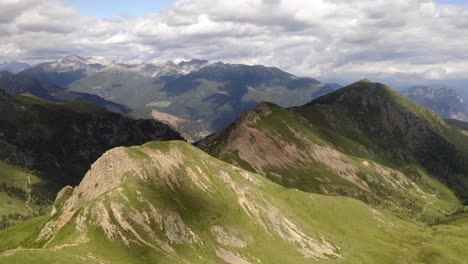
[61, 140]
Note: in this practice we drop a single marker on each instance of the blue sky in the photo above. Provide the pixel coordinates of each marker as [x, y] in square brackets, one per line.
[458, 2]
[115, 8]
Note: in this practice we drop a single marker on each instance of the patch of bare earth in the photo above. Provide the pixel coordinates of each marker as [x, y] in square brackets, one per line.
[230, 257]
[268, 217]
[273, 152]
[226, 238]
[167, 118]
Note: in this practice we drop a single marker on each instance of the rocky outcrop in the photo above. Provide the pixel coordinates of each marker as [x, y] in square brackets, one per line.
[364, 135]
[61, 140]
[136, 216]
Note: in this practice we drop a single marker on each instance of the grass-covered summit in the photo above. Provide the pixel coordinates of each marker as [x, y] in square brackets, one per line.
[45, 146]
[363, 141]
[169, 202]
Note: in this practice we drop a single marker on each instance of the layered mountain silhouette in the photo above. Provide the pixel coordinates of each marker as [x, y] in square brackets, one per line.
[196, 97]
[63, 139]
[20, 83]
[13, 66]
[363, 141]
[358, 175]
[53, 144]
[447, 103]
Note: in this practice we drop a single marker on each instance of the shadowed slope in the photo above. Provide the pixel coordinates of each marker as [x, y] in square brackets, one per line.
[363, 141]
[168, 202]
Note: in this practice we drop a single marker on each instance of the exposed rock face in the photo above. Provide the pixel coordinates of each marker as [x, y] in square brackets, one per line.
[377, 117]
[61, 141]
[365, 136]
[118, 197]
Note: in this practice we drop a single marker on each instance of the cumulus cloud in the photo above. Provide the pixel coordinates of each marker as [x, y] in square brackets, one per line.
[328, 39]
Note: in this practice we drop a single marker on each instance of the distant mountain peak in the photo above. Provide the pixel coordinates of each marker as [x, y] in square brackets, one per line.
[74, 58]
[13, 66]
[71, 63]
[446, 102]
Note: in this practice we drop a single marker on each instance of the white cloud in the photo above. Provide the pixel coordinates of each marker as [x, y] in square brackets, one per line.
[334, 39]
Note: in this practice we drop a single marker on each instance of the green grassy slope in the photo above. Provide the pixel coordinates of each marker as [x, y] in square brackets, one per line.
[168, 202]
[363, 141]
[21, 195]
[395, 130]
[61, 140]
[54, 144]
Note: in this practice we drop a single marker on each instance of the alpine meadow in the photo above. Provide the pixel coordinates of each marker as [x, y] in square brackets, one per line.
[237, 132]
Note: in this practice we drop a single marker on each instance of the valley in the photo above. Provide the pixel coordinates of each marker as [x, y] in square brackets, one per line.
[358, 174]
[233, 132]
[326, 147]
[203, 96]
[45, 146]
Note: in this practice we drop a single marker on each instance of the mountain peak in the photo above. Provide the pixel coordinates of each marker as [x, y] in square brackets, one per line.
[74, 58]
[356, 92]
[13, 66]
[446, 102]
[141, 197]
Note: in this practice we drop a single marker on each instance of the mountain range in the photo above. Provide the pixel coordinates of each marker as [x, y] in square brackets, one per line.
[15, 84]
[360, 175]
[284, 169]
[196, 97]
[447, 103]
[13, 66]
[363, 141]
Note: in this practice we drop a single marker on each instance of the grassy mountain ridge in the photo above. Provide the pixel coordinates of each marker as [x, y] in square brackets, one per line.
[65, 138]
[395, 128]
[53, 144]
[22, 194]
[168, 202]
[355, 142]
[458, 123]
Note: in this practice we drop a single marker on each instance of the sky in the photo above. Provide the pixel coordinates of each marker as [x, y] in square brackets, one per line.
[456, 2]
[117, 8]
[403, 42]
